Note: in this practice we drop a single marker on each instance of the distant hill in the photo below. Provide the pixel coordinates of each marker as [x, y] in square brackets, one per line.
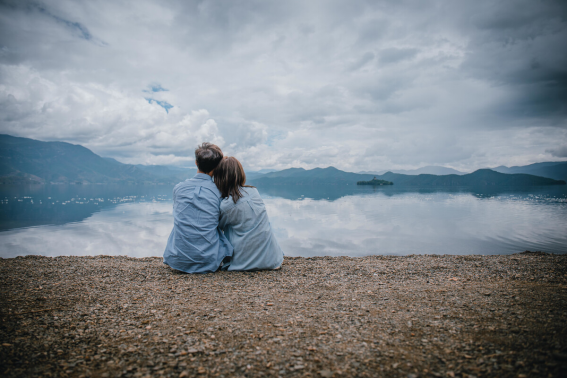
[481, 177]
[28, 160]
[375, 182]
[255, 174]
[169, 172]
[333, 176]
[317, 176]
[556, 170]
[430, 169]
[163, 171]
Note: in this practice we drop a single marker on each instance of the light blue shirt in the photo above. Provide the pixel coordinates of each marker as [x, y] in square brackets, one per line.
[246, 226]
[196, 244]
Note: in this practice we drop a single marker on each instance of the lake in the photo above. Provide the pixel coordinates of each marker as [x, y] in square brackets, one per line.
[53, 220]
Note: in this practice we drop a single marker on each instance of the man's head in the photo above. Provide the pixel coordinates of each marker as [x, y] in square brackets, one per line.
[207, 157]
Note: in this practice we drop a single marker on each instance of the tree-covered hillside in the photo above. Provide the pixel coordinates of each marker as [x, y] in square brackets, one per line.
[29, 160]
[333, 176]
[554, 169]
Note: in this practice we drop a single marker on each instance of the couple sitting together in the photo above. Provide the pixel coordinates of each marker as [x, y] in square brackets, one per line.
[219, 223]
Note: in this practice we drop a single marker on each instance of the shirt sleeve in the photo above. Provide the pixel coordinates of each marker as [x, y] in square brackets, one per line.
[209, 206]
[223, 220]
[226, 214]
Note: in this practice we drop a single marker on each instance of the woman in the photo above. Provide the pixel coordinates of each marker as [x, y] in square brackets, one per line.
[245, 221]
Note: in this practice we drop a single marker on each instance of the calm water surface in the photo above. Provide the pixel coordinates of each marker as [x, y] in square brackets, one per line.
[308, 221]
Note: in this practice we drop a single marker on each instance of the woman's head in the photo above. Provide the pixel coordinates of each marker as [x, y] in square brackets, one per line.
[229, 177]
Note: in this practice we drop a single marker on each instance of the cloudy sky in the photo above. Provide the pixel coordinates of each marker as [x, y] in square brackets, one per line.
[359, 85]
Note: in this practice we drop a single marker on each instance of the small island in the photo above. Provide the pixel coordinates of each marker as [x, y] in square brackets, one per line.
[375, 182]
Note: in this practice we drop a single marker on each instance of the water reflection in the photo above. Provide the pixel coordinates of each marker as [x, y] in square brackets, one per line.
[34, 205]
[334, 192]
[136, 221]
[420, 223]
[132, 229]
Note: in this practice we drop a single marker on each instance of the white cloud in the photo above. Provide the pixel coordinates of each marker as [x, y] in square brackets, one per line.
[358, 85]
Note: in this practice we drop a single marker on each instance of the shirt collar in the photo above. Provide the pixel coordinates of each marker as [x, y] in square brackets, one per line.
[203, 176]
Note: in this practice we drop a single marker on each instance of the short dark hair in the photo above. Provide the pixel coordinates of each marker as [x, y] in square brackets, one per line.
[208, 156]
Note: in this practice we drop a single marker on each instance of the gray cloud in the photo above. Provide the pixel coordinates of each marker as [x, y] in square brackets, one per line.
[361, 85]
[522, 47]
[560, 152]
[394, 55]
[367, 57]
[74, 27]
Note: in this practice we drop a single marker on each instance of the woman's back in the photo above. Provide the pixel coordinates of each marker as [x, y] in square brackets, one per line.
[246, 226]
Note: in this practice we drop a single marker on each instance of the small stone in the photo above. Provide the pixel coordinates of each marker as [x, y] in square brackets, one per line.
[301, 337]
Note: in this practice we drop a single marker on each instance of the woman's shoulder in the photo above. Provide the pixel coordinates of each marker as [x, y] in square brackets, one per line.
[251, 191]
[247, 193]
[226, 204]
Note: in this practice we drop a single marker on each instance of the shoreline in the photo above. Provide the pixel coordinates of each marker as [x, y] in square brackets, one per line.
[410, 316]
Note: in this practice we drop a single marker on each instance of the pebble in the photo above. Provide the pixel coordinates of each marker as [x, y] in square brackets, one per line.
[451, 316]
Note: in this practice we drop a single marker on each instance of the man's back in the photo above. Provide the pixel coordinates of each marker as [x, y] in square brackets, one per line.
[195, 244]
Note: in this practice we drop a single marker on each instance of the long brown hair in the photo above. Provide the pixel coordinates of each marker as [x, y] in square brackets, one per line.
[229, 178]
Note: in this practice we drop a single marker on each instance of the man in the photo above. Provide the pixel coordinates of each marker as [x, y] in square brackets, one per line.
[196, 244]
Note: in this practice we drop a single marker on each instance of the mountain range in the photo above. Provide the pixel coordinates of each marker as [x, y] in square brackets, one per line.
[333, 176]
[29, 160]
[429, 170]
[24, 160]
[556, 170]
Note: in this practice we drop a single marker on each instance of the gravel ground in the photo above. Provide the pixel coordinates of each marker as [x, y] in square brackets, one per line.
[412, 316]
